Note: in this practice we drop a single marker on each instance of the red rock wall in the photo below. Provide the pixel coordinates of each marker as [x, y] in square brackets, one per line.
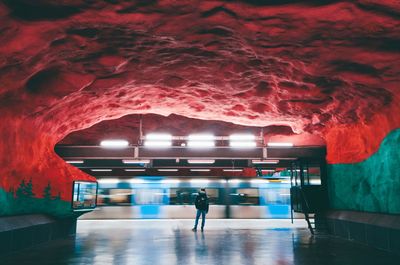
[357, 142]
[128, 127]
[28, 153]
[328, 68]
[291, 64]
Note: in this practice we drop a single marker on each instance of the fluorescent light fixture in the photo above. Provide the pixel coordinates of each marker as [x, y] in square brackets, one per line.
[158, 137]
[133, 161]
[242, 140]
[232, 170]
[242, 137]
[135, 169]
[201, 144]
[201, 137]
[265, 161]
[101, 170]
[200, 170]
[201, 140]
[276, 144]
[284, 194]
[157, 143]
[158, 140]
[114, 143]
[196, 161]
[167, 169]
[108, 181]
[200, 181]
[75, 161]
[223, 181]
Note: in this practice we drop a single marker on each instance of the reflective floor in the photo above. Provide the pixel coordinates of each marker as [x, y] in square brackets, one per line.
[223, 242]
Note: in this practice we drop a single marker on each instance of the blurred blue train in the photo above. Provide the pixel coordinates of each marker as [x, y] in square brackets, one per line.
[159, 197]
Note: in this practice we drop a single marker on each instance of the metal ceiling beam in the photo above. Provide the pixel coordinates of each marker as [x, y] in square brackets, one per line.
[97, 152]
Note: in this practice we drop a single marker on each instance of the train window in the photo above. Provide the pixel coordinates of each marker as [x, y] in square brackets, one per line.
[84, 195]
[120, 196]
[102, 197]
[181, 196]
[246, 197]
[149, 196]
[275, 196]
[213, 195]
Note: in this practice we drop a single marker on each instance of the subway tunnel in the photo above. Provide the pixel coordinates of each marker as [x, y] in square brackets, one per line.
[316, 74]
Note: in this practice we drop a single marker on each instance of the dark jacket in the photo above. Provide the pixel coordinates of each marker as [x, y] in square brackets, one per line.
[201, 201]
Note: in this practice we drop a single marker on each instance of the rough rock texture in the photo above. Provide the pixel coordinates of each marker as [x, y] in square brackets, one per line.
[128, 127]
[329, 68]
[28, 153]
[372, 185]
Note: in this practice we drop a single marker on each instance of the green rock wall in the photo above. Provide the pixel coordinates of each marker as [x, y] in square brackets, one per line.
[372, 185]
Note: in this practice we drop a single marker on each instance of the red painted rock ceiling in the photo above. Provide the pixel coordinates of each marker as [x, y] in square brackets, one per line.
[328, 68]
[128, 127]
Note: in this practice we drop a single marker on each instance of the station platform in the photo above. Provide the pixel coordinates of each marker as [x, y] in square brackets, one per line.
[224, 241]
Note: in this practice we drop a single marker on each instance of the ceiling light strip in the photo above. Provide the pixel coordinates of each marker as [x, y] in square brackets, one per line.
[269, 161]
[167, 170]
[75, 161]
[133, 161]
[199, 161]
[114, 143]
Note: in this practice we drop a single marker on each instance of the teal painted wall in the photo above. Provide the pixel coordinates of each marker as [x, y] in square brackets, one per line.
[372, 185]
[12, 205]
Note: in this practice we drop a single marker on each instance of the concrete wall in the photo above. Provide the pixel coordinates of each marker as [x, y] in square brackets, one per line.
[376, 230]
[19, 232]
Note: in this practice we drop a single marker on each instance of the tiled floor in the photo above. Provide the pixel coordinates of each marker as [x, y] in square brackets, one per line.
[158, 242]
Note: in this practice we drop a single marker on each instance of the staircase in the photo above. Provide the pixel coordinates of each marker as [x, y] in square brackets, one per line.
[309, 201]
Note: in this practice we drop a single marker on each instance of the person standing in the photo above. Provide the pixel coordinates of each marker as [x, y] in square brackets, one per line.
[202, 205]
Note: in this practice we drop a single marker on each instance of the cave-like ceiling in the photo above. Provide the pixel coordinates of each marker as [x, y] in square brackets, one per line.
[324, 68]
[129, 127]
[313, 66]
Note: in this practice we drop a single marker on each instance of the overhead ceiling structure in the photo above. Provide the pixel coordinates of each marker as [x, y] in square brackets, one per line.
[324, 68]
[202, 148]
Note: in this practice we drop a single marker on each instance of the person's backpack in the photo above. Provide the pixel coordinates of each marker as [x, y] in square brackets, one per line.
[201, 202]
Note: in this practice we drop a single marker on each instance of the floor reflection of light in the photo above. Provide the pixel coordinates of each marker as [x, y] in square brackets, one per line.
[247, 241]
